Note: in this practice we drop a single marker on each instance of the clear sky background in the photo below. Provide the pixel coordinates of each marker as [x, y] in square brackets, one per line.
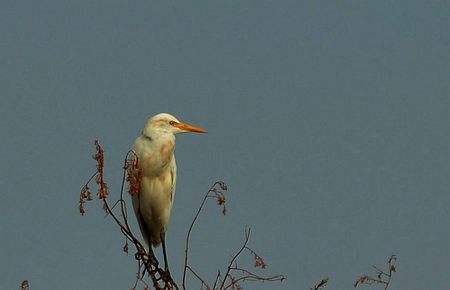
[328, 120]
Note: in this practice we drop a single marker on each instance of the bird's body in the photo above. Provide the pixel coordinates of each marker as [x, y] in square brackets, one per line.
[157, 174]
[154, 201]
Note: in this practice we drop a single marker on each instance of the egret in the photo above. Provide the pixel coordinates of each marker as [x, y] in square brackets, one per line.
[154, 150]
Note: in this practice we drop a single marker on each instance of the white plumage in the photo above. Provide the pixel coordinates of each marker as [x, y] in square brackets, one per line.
[154, 150]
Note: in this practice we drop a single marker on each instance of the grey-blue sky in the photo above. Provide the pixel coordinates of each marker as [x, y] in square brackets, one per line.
[329, 121]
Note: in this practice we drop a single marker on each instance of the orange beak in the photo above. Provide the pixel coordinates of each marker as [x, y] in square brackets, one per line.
[189, 128]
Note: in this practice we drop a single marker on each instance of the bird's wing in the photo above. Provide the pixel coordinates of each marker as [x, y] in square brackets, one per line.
[140, 219]
[173, 176]
[135, 198]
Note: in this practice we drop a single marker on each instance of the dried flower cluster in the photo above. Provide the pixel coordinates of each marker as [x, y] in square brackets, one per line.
[259, 262]
[25, 285]
[85, 195]
[218, 194]
[134, 174]
[99, 178]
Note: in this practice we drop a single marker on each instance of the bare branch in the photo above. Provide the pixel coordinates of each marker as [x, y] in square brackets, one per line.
[382, 277]
[212, 189]
[321, 284]
[147, 263]
[199, 278]
[246, 275]
[227, 273]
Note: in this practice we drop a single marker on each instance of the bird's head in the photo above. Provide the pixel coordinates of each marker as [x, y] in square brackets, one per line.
[166, 123]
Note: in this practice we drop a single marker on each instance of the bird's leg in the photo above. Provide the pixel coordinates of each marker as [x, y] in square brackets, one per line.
[151, 255]
[167, 278]
[150, 251]
[163, 241]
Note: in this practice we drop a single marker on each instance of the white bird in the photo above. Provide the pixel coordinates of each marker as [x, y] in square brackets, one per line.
[157, 177]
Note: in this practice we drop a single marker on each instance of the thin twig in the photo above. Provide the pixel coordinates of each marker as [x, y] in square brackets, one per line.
[198, 277]
[250, 276]
[191, 226]
[321, 284]
[227, 273]
[217, 279]
[383, 277]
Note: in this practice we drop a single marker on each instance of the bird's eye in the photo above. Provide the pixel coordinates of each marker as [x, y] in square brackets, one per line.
[172, 123]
